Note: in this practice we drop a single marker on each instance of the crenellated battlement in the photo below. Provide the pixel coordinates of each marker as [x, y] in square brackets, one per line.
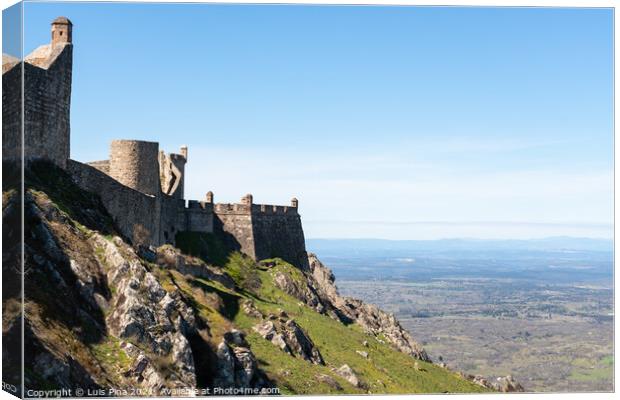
[199, 205]
[268, 209]
[232, 208]
[262, 230]
[245, 208]
[264, 209]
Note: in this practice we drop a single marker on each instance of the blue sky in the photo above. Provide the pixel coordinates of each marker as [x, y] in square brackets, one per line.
[392, 122]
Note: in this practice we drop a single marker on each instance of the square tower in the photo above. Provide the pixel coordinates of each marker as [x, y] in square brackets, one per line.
[61, 31]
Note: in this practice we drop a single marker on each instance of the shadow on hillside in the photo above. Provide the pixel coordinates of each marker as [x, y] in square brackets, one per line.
[82, 206]
[231, 301]
[52, 290]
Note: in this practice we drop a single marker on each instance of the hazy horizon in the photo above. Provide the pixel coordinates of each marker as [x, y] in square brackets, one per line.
[604, 239]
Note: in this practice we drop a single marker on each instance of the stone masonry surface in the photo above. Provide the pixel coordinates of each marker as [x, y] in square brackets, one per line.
[134, 163]
[46, 103]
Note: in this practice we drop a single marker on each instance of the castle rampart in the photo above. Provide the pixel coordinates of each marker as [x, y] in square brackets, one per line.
[46, 103]
[234, 227]
[262, 230]
[11, 108]
[134, 164]
[279, 235]
[136, 214]
[199, 216]
[141, 187]
[103, 165]
[173, 219]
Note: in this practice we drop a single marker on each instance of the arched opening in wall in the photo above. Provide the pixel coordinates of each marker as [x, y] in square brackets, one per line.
[166, 236]
[60, 33]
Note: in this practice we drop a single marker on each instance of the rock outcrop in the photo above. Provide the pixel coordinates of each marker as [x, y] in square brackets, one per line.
[328, 380]
[319, 291]
[347, 373]
[504, 384]
[507, 384]
[172, 258]
[143, 311]
[289, 337]
[115, 325]
[236, 367]
[377, 322]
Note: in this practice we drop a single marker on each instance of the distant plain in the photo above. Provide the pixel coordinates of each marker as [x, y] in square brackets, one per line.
[540, 310]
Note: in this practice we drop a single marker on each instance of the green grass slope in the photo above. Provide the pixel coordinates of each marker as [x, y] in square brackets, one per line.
[219, 308]
[384, 371]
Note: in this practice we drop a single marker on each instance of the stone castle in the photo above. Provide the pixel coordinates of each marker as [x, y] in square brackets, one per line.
[141, 186]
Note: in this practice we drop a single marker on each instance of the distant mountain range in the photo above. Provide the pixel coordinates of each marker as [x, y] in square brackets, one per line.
[357, 246]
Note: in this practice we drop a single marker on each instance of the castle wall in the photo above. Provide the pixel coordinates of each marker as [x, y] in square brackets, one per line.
[141, 188]
[233, 224]
[12, 113]
[278, 233]
[199, 217]
[47, 97]
[136, 215]
[173, 218]
[103, 165]
[134, 163]
[262, 231]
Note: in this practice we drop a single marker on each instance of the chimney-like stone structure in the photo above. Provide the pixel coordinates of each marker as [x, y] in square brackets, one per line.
[62, 31]
[184, 152]
[247, 200]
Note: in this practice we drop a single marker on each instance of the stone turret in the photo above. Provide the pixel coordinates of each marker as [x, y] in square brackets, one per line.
[294, 202]
[62, 31]
[209, 197]
[134, 163]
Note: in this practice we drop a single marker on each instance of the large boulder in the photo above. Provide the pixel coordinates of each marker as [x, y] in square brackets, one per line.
[300, 343]
[347, 373]
[328, 380]
[289, 337]
[507, 384]
[236, 367]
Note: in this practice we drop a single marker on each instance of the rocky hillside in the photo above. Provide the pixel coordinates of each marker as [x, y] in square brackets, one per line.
[100, 314]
